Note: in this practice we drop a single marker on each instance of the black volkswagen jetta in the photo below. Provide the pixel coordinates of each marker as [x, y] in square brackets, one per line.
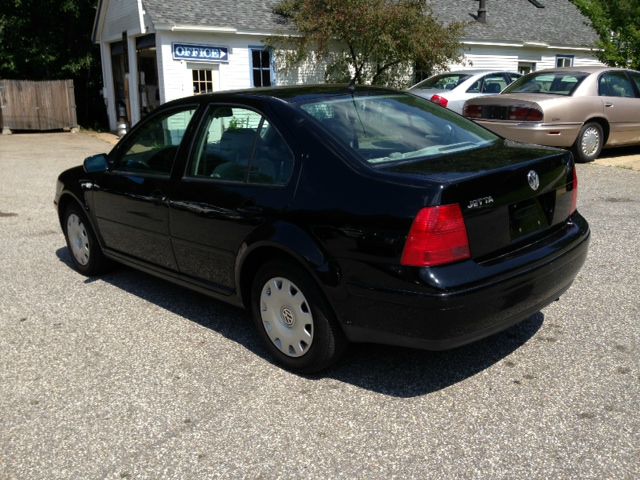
[335, 215]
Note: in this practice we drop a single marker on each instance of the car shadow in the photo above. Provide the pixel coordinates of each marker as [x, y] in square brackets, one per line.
[620, 152]
[393, 371]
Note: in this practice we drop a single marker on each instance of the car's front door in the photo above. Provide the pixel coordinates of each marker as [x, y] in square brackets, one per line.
[130, 201]
[237, 179]
[621, 106]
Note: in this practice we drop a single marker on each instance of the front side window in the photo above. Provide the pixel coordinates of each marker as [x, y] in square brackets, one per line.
[445, 81]
[563, 61]
[615, 84]
[261, 67]
[384, 129]
[152, 149]
[554, 83]
[240, 145]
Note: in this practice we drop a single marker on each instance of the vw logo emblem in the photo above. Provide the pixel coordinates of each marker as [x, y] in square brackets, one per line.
[533, 179]
[287, 316]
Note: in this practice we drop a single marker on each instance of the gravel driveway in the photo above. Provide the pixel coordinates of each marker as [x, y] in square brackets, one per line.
[128, 376]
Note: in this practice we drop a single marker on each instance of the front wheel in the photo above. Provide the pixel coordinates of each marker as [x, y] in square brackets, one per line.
[589, 142]
[294, 319]
[86, 255]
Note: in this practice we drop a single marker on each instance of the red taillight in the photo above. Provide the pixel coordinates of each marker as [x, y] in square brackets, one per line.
[443, 102]
[525, 114]
[472, 111]
[438, 236]
[574, 191]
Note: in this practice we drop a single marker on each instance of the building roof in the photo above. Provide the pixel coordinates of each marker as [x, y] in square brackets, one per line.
[248, 15]
[559, 23]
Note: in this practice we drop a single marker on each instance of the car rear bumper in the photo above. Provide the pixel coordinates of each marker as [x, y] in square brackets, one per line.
[553, 135]
[474, 304]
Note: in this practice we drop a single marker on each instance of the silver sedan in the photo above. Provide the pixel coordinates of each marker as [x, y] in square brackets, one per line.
[583, 108]
[452, 89]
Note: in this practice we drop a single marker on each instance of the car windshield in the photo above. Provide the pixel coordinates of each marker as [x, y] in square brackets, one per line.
[391, 128]
[552, 83]
[446, 81]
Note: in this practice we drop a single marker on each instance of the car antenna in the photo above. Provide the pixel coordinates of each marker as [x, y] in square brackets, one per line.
[352, 85]
[352, 90]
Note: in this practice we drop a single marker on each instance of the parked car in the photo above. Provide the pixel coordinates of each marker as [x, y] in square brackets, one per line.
[334, 215]
[452, 89]
[583, 108]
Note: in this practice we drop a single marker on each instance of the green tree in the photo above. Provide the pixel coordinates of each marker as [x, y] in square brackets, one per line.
[50, 40]
[367, 41]
[618, 25]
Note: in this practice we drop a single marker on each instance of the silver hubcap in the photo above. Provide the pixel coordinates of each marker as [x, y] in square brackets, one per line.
[286, 316]
[590, 141]
[78, 239]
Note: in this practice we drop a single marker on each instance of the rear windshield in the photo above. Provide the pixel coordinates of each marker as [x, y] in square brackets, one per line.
[555, 83]
[392, 128]
[446, 81]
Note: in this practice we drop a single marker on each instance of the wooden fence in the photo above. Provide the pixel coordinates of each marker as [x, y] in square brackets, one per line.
[44, 105]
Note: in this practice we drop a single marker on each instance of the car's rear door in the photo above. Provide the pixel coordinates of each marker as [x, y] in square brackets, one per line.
[130, 201]
[237, 180]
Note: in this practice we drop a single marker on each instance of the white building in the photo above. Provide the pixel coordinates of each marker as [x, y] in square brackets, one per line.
[182, 47]
[521, 35]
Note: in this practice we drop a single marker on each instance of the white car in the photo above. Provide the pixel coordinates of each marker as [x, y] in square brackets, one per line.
[452, 89]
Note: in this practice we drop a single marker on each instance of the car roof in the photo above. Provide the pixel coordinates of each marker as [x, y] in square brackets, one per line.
[474, 72]
[586, 69]
[290, 94]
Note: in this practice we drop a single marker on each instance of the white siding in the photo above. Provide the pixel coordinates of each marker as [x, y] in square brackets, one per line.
[498, 57]
[176, 77]
[120, 16]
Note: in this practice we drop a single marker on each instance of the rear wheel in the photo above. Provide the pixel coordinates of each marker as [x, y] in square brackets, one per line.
[86, 255]
[294, 319]
[589, 142]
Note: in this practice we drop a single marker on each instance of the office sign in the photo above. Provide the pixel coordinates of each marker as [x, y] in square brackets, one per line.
[200, 53]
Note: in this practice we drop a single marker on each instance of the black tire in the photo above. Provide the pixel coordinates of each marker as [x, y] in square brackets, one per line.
[585, 151]
[328, 341]
[95, 262]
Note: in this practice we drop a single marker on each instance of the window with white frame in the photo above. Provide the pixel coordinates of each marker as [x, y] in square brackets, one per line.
[261, 67]
[564, 61]
[202, 81]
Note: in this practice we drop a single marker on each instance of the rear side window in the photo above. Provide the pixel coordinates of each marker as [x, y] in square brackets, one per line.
[553, 83]
[615, 84]
[493, 83]
[240, 145]
[152, 149]
[635, 76]
[384, 129]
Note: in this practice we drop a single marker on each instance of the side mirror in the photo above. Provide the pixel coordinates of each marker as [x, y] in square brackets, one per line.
[96, 163]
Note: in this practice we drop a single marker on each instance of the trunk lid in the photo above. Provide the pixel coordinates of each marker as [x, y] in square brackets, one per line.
[494, 187]
[500, 107]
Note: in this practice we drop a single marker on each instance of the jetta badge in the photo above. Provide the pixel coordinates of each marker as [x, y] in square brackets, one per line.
[534, 180]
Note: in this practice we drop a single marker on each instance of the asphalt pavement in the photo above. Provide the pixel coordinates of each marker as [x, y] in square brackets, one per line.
[128, 376]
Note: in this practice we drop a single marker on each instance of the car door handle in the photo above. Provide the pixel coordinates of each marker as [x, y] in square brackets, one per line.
[251, 210]
[158, 198]
[609, 105]
[89, 186]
